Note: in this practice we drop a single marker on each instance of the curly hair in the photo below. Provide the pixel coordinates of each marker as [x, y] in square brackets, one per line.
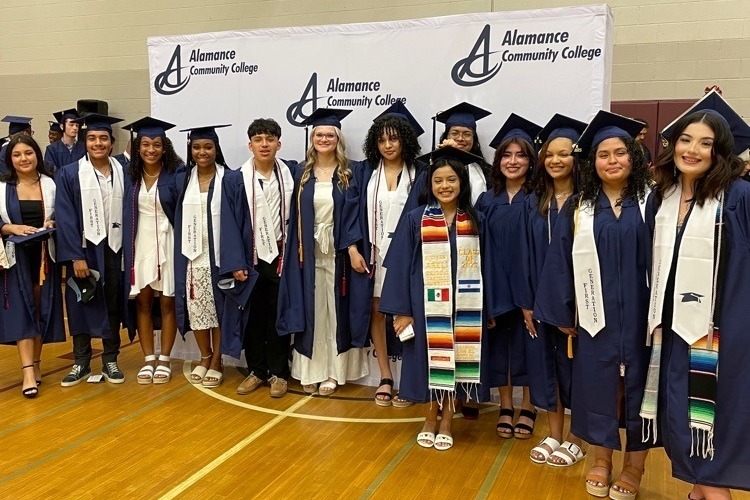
[170, 160]
[344, 172]
[639, 177]
[544, 185]
[725, 166]
[464, 194]
[391, 125]
[498, 178]
[10, 174]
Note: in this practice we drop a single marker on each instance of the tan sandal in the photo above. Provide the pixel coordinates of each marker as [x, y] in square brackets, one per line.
[631, 482]
[596, 477]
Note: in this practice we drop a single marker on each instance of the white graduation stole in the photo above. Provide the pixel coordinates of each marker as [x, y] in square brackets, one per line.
[477, 181]
[94, 226]
[192, 227]
[587, 274]
[386, 215]
[8, 251]
[695, 266]
[266, 248]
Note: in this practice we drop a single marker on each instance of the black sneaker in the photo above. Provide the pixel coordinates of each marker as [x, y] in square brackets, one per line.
[77, 374]
[112, 373]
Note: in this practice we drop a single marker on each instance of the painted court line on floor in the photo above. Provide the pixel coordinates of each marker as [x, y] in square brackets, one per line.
[186, 367]
[388, 469]
[101, 430]
[497, 466]
[200, 474]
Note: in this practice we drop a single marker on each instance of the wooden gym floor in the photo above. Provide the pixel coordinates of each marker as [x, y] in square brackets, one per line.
[182, 441]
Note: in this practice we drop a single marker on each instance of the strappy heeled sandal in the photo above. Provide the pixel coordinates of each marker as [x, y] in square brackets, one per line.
[500, 428]
[29, 392]
[531, 415]
[39, 380]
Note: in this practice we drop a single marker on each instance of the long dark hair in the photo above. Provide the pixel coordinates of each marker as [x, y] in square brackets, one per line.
[464, 195]
[170, 160]
[389, 125]
[544, 185]
[590, 183]
[10, 175]
[725, 166]
[498, 178]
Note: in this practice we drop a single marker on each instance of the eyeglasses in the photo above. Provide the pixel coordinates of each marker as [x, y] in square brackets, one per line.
[454, 134]
[320, 136]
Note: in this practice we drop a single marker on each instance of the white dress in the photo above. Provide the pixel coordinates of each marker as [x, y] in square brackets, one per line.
[380, 256]
[154, 245]
[326, 362]
[201, 308]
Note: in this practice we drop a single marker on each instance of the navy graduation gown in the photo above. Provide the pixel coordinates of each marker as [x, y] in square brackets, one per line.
[168, 200]
[362, 285]
[403, 295]
[124, 161]
[3, 166]
[549, 368]
[92, 317]
[18, 313]
[237, 243]
[296, 306]
[731, 463]
[504, 220]
[57, 154]
[623, 246]
[228, 312]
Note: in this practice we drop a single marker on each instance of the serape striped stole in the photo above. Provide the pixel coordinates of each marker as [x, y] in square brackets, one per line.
[453, 341]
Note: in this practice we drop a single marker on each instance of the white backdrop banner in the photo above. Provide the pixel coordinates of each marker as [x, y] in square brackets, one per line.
[533, 63]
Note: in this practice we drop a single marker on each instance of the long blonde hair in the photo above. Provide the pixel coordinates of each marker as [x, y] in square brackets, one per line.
[342, 162]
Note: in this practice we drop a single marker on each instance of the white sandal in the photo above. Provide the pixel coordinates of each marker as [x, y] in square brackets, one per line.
[553, 444]
[443, 442]
[199, 372]
[327, 388]
[163, 373]
[146, 374]
[575, 451]
[217, 377]
[427, 437]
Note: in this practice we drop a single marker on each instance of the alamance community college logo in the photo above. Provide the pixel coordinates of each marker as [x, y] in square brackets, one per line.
[477, 68]
[340, 94]
[173, 79]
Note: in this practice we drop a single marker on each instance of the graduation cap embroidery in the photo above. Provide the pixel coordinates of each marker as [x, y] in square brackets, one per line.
[115, 225]
[691, 297]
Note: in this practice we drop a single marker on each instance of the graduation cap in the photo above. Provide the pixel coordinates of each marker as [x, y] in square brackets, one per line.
[148, 127]
[606, 125]
[691, 297]
[95, 122]
[561, 126]
[65, 114]
[17, 124]
[237, 291]
[326, 116]
[398, 110]
[516, 127]
[84, 288]
[40, 235]
[54, 126]
[715, 104]
[449, 153]
[203, 132]
[462, 115]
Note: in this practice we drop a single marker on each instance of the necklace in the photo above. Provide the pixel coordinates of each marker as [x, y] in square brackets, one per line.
[151, 176]
[561, 195]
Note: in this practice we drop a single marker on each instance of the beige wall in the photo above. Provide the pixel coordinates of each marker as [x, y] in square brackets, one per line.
[53, 52]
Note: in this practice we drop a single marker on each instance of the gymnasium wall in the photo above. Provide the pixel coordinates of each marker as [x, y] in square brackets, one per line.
[53, 52]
